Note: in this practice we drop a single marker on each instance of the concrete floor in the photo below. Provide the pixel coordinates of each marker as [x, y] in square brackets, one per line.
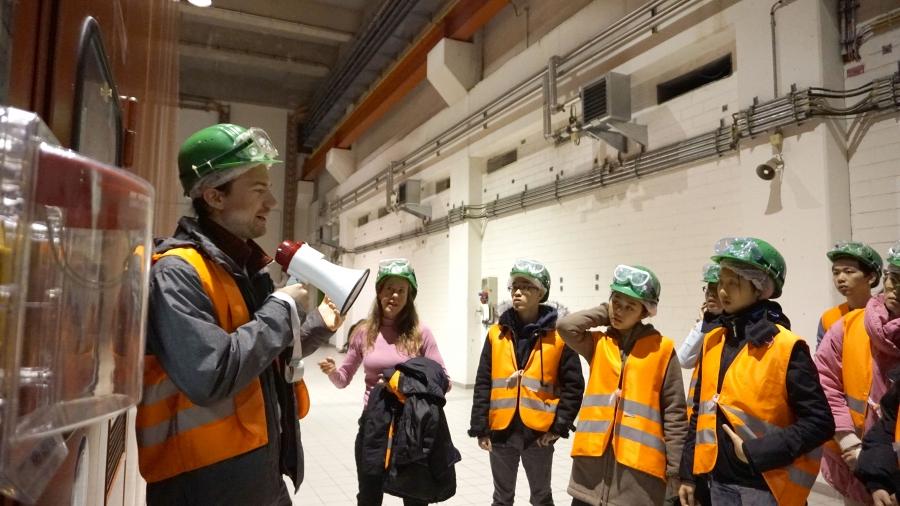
[330, 429]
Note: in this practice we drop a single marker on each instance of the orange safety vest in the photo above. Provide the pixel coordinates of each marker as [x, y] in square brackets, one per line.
[856, 369]
[621, 403]
[832, 315]
[691, 391]
[754, 401]
[173, 434]
[897, 437]
[534, 389]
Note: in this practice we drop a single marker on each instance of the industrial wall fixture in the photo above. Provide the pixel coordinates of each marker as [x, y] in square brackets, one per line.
[771, 167]
[631, 27]
[794, 108]
[409, 199]
[606, 112]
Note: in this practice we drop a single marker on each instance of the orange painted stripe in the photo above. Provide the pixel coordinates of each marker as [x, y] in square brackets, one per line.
[461, 22]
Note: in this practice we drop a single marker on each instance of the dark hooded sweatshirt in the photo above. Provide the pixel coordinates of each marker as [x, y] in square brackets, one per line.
[814, 424]
[526, 337]
[878, 466]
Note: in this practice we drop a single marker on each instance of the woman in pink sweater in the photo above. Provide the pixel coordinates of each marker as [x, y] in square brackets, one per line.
[854, 360]
[391, 335]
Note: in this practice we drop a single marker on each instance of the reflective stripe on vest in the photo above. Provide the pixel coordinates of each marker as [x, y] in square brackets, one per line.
[535, 391]
[754, 401]
[173, 434]
[622, 404]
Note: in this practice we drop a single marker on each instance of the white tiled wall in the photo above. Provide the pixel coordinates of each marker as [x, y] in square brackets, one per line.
[875, 159]
[670, 221]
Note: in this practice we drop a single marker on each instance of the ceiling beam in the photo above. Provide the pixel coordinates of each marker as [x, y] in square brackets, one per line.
[237, 59]
[230, 19]
[460, 23]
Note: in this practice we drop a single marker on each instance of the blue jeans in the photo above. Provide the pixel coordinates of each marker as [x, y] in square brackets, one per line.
[726, 494]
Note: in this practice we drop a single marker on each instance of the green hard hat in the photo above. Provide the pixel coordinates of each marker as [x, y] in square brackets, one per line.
[534, 270]
[755, 253]
[893, 257]
[638, 282]
[222, 146]
[862, 253]
[399, 268]
[711, 273]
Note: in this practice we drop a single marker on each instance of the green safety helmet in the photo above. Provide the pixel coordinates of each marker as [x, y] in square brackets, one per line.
[711, 273]
[893, 258]
[755, 253]
[399, 268]
[222, 146]
[858, 251]
[637, 282]
[534, 271]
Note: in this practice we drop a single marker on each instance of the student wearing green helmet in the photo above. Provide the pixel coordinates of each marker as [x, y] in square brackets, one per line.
[758, 412]
[527, 388]
[633, 418]
[391, 335]
[855, 359]
[689, 349]
[217, 336]
[855, 271]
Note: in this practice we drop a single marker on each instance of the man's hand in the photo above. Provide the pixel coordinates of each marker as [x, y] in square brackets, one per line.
[328, 366]
[331, 315]
[686, 494]
[546, 439]
[738, 444]
[484, 442]
[882, 498]
[297, 292]
[851, 456]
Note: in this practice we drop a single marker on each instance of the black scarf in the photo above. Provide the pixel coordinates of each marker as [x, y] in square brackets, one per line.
[756, 323]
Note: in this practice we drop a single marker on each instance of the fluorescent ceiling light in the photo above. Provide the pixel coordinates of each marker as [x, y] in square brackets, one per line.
[200, 3]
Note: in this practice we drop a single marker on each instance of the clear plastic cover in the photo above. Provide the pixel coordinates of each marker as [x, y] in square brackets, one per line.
[75, 237]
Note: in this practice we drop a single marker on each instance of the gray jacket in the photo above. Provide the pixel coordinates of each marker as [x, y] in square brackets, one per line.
[602, 480]
[208, 364]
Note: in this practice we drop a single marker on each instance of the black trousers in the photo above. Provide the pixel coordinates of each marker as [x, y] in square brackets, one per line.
[370, 491]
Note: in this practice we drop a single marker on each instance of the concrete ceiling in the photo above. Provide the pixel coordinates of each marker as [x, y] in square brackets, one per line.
[267, 52]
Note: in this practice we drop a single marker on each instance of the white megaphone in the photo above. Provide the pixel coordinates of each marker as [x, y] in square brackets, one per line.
[340, 284]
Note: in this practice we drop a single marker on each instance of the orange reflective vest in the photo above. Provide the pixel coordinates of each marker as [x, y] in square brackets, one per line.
[856, 371]
[533, 389]
[856, 368]
[174, 435]
[754, 400]
[691, 390]
[832, 315]
[621, 404]
[897, 437]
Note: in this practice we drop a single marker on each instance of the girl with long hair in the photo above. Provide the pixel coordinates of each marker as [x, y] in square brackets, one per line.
[390, 336]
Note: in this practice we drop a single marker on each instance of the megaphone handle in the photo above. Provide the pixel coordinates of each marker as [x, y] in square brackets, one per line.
[293, 367]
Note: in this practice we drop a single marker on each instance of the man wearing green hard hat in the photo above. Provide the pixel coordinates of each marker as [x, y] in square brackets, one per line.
[855, 271]
[632, 422]
[759, 415]
[528, 387]
[218, 421]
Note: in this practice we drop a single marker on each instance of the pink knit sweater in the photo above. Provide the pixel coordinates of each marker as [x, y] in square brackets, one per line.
[884, 334]
[383, 355]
